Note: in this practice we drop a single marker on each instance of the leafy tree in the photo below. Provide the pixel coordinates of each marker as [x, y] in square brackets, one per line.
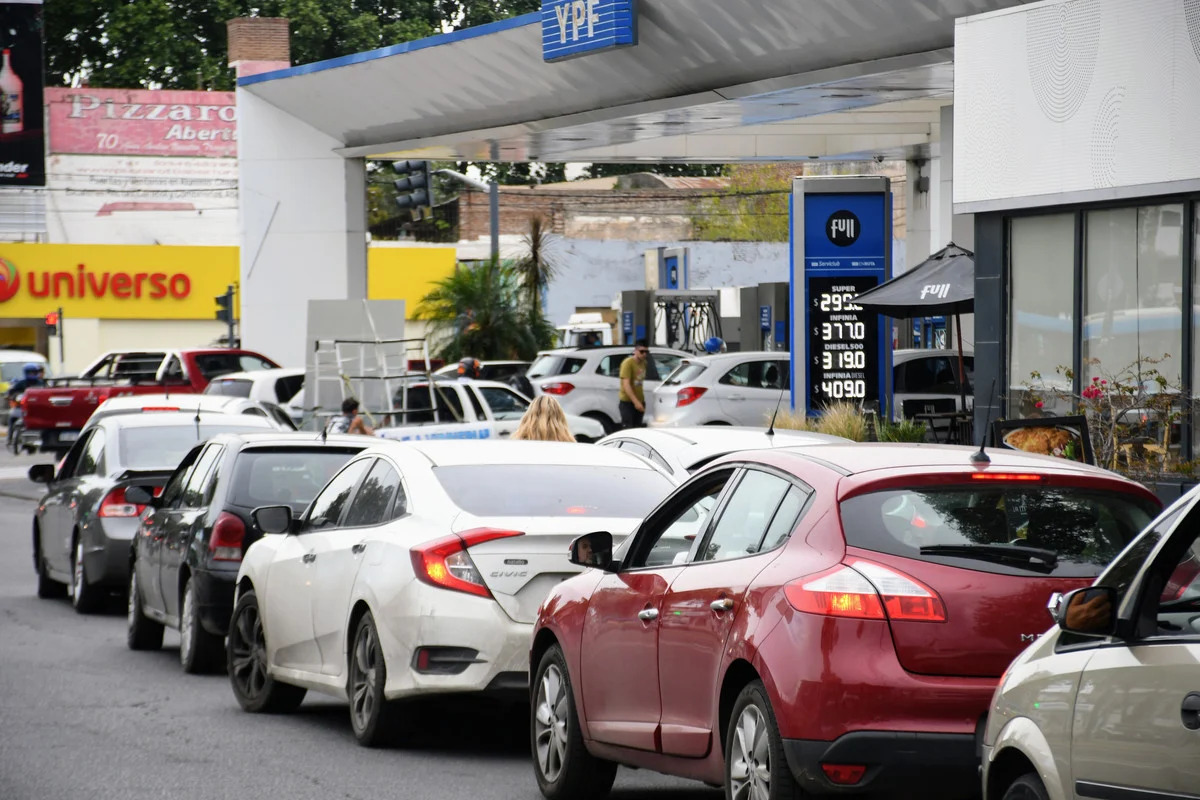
[598, 170]
[755, 209]
[537, 268]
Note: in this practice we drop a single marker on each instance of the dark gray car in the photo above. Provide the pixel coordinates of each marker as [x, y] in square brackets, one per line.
[83, 527]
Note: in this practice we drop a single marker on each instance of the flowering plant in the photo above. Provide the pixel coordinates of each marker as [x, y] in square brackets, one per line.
[1131, 413]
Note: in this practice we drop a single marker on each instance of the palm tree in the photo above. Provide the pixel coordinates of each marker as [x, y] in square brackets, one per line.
[538, 267]
[477, 312]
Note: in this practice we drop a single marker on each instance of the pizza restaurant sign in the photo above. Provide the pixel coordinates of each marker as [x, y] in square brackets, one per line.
[114, 281]
[142, 122]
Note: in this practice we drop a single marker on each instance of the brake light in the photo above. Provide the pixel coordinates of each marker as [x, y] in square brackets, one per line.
[1006, 476]
[445, 562]
[689, 395]
[115, 505]
[228, 535]
[559, 388]
[862, 589]
[160, 408]
[844, 774]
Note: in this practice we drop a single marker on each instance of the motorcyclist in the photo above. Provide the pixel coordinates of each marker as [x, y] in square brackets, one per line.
[470, 368]
[34, 376]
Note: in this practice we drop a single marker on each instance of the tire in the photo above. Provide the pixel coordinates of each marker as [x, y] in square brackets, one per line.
[608, 425]
[1027, 787]
[375, 721]
[755, 765]
[142, 632]
[199, 651]
[84, 596]
[256, 691]
[564, 768]
[47, 587]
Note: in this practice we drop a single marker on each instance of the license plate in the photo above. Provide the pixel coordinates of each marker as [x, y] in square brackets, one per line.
[68, 436]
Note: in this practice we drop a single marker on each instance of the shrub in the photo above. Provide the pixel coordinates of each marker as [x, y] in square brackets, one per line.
[906, 430]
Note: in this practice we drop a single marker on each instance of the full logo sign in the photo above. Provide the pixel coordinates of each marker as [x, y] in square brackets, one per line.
[843, 228]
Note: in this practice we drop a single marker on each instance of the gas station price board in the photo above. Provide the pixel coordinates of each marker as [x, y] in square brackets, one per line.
[841, 338]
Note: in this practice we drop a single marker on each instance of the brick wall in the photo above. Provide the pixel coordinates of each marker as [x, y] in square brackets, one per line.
[258, 39]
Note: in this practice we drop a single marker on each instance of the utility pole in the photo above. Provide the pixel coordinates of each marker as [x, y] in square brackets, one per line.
[493, 190]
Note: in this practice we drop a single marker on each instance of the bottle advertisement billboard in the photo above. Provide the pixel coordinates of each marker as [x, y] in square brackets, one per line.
[22, 140]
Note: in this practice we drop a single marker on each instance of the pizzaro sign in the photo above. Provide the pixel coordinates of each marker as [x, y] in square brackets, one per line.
[142, 122]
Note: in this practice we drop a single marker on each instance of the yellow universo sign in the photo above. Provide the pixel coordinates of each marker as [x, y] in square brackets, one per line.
[172, 282]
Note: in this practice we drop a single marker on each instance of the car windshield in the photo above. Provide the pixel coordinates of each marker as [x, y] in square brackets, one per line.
[230, 388]
[284, 476]
[1061, 531]
[548, 365]
[213, 364]
[684, 373]
[552, 490]
[164, 446]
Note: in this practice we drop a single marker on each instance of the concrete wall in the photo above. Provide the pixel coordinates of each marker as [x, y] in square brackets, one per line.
[594, 271]
[303, 226]
[1070, 101]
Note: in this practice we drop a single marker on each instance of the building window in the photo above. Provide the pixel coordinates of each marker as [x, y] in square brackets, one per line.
[1041, 319]
[1133, 294]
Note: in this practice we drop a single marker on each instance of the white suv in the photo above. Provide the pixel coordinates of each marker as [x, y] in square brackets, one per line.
[586, 380]
[727, 389]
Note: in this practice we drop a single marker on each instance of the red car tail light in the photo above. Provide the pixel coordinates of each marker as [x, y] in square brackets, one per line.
[560, 388]
[228, 535]
[445, 562]
[865, 590]
[689, 395]
[844, 774]
[115, 505]
[1007, 476]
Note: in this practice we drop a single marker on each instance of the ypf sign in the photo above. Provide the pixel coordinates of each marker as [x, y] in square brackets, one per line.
[578, 27]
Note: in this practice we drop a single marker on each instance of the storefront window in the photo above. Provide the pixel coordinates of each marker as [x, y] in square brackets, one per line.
[1133, 299]
[1042, 320]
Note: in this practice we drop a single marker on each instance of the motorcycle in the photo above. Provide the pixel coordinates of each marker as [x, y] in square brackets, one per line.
[18, 439]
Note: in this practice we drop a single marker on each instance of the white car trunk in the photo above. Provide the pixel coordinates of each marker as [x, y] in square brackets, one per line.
[521, 570]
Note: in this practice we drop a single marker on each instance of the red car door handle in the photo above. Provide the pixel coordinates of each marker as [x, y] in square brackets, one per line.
[724, 604]
[1189, 712]
[648, 614]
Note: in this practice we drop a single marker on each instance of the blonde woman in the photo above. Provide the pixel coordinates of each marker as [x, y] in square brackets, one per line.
[544, 421]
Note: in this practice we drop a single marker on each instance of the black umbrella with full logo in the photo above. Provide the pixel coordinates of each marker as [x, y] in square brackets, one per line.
[944, 283]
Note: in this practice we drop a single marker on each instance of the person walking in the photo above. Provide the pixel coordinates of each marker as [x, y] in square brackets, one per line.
[633, 376]
[349, 421]
[544, 421]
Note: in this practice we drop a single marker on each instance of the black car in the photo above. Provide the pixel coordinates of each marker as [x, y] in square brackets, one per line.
[185, 557]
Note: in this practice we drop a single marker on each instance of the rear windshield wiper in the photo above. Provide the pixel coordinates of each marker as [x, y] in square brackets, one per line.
[1035, 558]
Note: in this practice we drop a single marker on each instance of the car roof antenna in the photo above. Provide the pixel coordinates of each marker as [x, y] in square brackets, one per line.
[197, 421]
[775, 413]
[980, 457]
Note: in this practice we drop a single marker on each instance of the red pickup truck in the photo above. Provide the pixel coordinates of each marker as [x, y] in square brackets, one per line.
[59, 410]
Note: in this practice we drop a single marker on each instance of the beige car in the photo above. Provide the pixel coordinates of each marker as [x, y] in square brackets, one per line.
[1107, 703]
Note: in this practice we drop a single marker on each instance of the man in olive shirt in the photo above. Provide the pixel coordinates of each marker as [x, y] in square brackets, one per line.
[633, 376]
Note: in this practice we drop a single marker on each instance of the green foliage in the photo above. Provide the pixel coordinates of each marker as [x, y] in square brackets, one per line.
[538, 267]
[837, 419]
[599, 170]
[905, 430]
[755, 209]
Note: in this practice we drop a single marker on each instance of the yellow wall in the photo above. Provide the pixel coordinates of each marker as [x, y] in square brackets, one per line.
[173, 282]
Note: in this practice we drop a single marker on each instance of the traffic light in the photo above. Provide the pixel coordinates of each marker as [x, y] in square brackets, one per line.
[225, 306]
[414, 189]
[52, 323]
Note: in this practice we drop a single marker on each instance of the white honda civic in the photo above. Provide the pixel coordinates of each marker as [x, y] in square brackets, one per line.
[419, 569]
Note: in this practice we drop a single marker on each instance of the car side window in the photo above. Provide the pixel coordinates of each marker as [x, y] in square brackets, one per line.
[91, 460]
[173, 491]
[743, 523]
[666, 537]
[610, 366]
[665, 364]
[785, 519]
[505, 404]
[286, 388]
[326, 510]
[1177, 588]
[758, 375]
[374, 496]
[1125, 568]
[473, 396]
[194, 491]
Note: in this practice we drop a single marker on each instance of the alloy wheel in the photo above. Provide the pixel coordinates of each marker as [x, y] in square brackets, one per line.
[750, 772]
[248, 648]
[77, 572]
[550, 724]
[364, 674]
[186, 624]
[132, 609]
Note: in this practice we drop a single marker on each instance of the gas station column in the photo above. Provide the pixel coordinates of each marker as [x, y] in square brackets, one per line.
[303, 226]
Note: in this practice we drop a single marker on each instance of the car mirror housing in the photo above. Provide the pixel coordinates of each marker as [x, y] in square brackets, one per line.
[41, 473]
[593, 550]
[1090, 611]
[273, 519]
[140, 495]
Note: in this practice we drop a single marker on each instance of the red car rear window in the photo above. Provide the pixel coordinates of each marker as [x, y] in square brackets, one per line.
[1010, 529]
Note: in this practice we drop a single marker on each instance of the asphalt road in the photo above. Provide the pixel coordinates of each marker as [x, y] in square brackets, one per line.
[82, 716]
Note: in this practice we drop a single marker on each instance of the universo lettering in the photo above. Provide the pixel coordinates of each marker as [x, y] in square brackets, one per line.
[122, 285]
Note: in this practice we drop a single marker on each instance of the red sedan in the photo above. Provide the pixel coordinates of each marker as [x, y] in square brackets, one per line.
[821, 620]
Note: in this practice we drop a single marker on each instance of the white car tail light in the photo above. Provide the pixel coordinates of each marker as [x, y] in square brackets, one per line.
[861, 589]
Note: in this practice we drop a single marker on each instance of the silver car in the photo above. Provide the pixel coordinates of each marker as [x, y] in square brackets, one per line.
[83, 527]
[1107, 703]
